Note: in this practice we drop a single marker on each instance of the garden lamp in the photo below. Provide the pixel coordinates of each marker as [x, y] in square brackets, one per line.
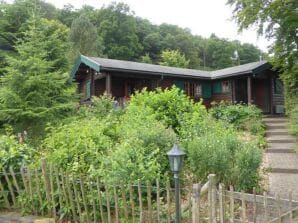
[176, 156]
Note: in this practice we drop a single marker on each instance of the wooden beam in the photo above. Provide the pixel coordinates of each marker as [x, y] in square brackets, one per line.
[249, 95]
[108, 84]
[99, 76]
[92, 83]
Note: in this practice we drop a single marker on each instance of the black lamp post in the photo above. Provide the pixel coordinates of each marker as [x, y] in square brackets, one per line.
[176, 160]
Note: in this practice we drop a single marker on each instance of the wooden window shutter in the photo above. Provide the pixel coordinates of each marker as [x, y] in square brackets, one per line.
[217, 87]
[88, 89]
[207, 90]
[179, 84]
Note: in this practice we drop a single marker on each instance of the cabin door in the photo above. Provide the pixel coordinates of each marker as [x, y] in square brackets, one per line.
[261, 94]
[241, 90]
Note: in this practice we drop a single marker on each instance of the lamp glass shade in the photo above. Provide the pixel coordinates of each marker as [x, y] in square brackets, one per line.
[176, 158]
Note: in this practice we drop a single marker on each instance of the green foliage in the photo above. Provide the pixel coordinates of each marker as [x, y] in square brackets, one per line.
[217, 149]
[83, 35]
[78, 146]
[243, 117]
[141, 150]
[14, 154]
[277, 20]
[293, 116]
[146, 59]
[173, 58]
[35, 88]
[170, 106]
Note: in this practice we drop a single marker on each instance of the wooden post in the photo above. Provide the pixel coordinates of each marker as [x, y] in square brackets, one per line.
[221, 205]
[254, 206]
[52, 192]
[265, 208]
[108, 203]
[149, 203]
[243, 208]
[4, 195]
[124, 201]
[14, 180]
[212, 198]
[93, 196]
[24, 180]
[10, 188]
[46, 183]
[63, 179]
[92, 83]
[196, 190]
[278, 207]
[249, 95]
[116, 205]
[58, 188]
[77, 198]
[38, 187]
[290, 206]
[168, 202]
[132, 204]
[231, 204]
[84, 199]
[158, 200]
[99, 200]
[108, 84]
[70, 195]
[140, 201]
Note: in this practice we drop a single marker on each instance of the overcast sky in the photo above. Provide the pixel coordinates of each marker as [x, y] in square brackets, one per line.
[202, 17]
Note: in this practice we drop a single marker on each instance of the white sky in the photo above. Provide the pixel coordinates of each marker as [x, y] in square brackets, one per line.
[202, 17]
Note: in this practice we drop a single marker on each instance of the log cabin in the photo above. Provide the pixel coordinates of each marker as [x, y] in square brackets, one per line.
[252, 83]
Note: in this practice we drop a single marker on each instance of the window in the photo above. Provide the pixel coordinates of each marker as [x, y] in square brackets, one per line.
[278, 86]
[193, 90]
[221, 87]
[225, 86]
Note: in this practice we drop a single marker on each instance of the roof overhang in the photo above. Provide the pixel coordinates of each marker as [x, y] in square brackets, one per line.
[84, 60]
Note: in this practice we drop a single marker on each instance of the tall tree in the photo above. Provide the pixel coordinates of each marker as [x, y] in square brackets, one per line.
[84, 38]
[173, 58]
[278, 20]
[118, 31]
[35, 88]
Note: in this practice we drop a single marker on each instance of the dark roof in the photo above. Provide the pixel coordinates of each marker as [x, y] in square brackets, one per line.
[99, 64]
[249, 68]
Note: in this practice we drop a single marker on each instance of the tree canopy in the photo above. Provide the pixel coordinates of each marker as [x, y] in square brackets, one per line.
[35, 86]
[278, 20]
[115, 32]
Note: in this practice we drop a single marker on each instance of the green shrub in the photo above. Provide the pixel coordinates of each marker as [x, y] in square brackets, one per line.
[171, 106]
[78, 146]
[13, 154]
[293, 116]
[141, 150]
[244, 117]
[220, 151]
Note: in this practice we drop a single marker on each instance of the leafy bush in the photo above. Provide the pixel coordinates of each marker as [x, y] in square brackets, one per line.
[141, 150]
[243, 117]
[171, 106]
[219, 150]
[79, 145]
[12, 153]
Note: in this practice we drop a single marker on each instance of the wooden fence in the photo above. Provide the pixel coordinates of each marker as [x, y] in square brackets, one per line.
[47, 191]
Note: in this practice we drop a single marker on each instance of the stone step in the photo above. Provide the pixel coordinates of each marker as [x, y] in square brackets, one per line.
[275, 120]
[277, 132]
[280, 151]
[283, 162]
[281, 145]
[282, 170]
[276, 126]
[283, 183]
[281, 139]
